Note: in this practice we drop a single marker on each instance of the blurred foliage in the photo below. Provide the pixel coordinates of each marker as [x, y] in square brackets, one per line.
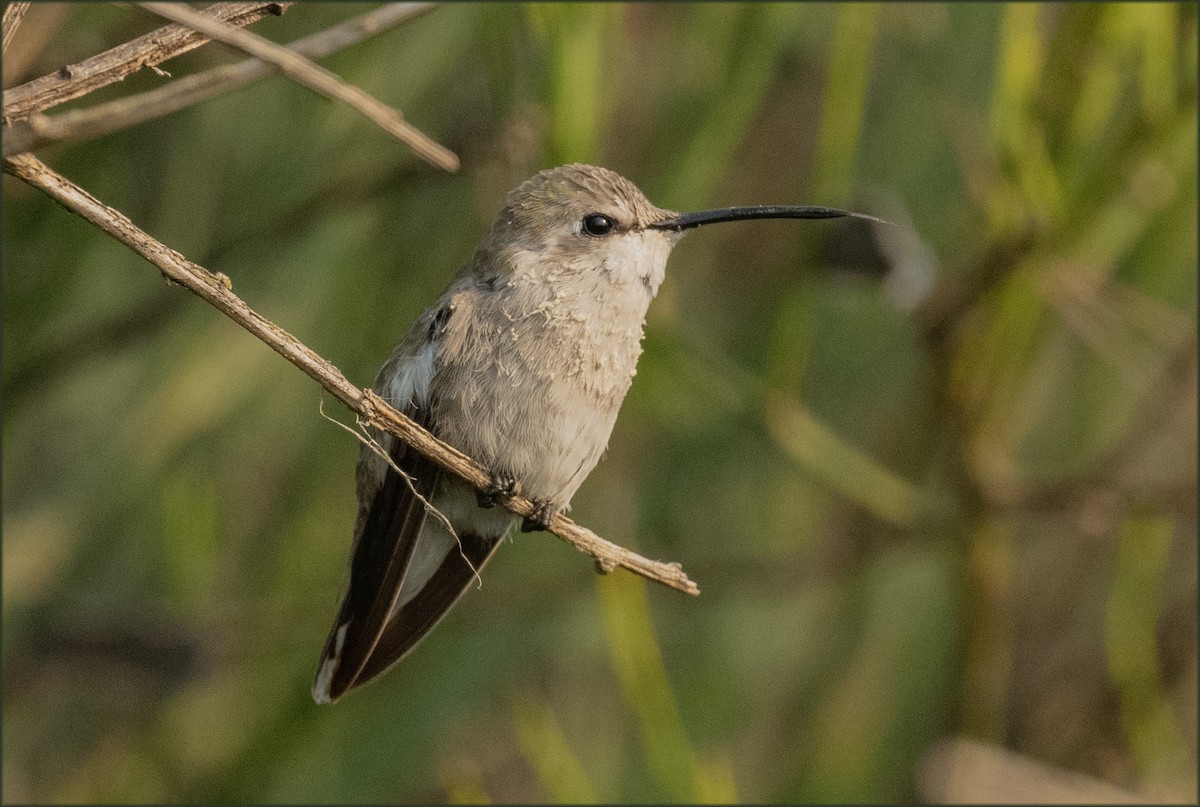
[935, 478]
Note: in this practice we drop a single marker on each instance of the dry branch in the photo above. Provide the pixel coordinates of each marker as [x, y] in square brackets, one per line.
[366, 404]
[13, 12]
[316, 78]
[114, 64]
[102, 119]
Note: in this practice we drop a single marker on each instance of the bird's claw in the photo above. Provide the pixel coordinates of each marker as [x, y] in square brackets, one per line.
[539, 519]
[500, 487]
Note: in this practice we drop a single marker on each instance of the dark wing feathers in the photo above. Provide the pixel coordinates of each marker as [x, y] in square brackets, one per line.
[420, 614]
[382, 553]
[374, 638]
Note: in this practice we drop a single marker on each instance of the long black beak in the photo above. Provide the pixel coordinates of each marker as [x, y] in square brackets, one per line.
[686, 221]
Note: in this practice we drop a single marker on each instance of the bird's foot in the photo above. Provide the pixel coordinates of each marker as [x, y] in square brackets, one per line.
[500, 487]
[539, 519]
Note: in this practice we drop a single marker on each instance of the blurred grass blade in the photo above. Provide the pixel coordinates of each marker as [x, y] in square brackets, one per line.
[845, 100]
[1019, 68]
[839, 464]
[461, 780]
[1018, 134]
[576, 37]
[753, 46]
[1144, 42]
[1131, 618]
[878, 710]
[545, 745]
[990, 364]
[639, 665]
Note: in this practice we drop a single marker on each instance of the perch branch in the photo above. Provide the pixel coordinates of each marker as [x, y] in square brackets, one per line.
[76, 80]
[315, 77]
[215, 289]
[87, 124]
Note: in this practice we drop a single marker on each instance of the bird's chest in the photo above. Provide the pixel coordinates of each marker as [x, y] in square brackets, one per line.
[539, 373]
[574, 342]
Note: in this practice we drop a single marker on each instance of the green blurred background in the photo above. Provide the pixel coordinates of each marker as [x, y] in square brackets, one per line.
[933, 480]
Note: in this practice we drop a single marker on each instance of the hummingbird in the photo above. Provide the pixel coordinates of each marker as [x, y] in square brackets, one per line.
[522, 363]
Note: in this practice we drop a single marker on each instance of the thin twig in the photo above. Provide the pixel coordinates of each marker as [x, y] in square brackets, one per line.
[76, 80]
[13, 12]
[316, 78]
[86, 124]
[366, 404]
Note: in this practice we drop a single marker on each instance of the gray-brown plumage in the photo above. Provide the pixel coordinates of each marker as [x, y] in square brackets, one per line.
[522, 363]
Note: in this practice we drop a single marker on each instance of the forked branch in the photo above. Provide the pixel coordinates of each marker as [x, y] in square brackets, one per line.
[79, 125]
[77, 80]
[372, 409]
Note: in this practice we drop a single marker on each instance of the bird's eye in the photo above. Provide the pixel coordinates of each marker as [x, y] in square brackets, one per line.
[598, 224]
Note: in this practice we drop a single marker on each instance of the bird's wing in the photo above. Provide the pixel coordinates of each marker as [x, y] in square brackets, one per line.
[416, 617]
[407, 568]
[406, 572]
[390, 523]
